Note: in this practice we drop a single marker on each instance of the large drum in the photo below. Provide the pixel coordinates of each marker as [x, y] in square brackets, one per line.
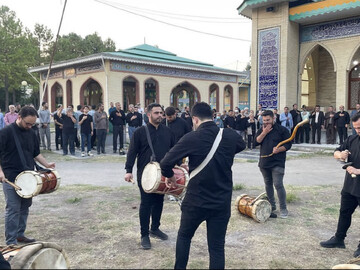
[34, 183]
[256, 208]
[153, 182]
[38, 255]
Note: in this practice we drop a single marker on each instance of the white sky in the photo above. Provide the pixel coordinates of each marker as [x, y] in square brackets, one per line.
[85, 17]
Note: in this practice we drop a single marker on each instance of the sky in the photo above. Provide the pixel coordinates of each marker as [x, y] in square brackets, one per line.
[158, 22]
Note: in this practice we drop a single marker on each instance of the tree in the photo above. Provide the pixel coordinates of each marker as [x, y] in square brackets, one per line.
[16, 53]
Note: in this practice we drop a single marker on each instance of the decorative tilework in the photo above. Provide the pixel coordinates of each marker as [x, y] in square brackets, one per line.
[331, 30]
[268, 67]
[172, 72]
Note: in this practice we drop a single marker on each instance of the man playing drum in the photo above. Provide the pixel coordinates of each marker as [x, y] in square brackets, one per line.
[349, 151]
[162, 140]
[208, 194]
[17, 208]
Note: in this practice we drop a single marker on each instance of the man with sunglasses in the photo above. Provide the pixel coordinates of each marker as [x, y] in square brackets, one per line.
[17, 208]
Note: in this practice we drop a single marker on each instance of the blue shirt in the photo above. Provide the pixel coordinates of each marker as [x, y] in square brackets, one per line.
[2, 121]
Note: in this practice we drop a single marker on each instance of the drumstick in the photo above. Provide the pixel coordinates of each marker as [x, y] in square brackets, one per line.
[132, 181]
[12, 184]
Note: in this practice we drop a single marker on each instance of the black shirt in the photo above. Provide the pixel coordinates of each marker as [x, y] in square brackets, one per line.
[342, 119]
[68, 124]
[85, 127]
[212, 187]
[179, 127]
[117, 120]
[241, 123]
[187, 117]
[352, 143]
[296, 115]
[230, 121]
[58, 119]
[276, 135]
[10, 158]
[162, 140]
[137, 122]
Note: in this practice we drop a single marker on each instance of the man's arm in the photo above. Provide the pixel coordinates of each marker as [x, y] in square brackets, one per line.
[39, 158]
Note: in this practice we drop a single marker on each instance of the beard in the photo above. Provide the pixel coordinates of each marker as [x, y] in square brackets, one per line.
[156, 120]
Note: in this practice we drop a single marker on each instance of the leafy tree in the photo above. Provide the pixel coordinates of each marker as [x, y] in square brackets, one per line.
[16, 54]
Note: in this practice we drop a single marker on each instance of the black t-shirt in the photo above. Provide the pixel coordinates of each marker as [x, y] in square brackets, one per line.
[85, 127]
[276, 135]
[10, 158]
[68, 124]
[352, 143]
[58, 119]
[179, 127]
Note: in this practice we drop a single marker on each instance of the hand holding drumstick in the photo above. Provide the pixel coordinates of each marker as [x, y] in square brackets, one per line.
[170, 182]
[129, 178]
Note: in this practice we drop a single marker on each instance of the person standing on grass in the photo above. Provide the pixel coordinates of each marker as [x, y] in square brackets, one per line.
[209, 191]
[86, 131]
[151, 203]
[273, 167]
[350, 193]
[117, 119]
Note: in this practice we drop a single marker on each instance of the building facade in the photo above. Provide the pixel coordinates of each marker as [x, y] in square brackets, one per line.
[142, 74]
[305, 52]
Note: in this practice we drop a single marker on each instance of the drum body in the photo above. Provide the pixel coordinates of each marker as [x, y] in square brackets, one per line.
[34, 183]
[259, 210]
[37, 256]
[153, 182]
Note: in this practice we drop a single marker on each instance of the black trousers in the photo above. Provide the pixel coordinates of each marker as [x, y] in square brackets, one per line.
[342, 131]
[76, 140]
[93, 138]
[216, 226]
[58, 137]
[305, 131]
[118, 131]
[151, 206]
[347, 207]
[297, 135]
[316, 129]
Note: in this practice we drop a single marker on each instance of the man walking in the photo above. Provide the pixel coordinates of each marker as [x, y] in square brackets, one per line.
[102, 127]
[162, 140]
[350, 193]
[209, 191]
[117, 119]
[272, 167]
[44, 117]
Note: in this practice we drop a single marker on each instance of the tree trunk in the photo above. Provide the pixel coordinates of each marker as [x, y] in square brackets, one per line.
[6, 81]
[14, 97]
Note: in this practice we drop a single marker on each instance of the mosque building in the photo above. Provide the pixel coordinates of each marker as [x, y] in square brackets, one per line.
[305, 52]
[142, 74]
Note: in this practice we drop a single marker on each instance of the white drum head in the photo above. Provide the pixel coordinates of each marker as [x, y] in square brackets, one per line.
[150, 176]
[261, 210]
[47, 258]
[28, 181]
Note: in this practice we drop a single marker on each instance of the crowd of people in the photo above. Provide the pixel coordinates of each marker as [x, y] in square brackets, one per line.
[162, 135]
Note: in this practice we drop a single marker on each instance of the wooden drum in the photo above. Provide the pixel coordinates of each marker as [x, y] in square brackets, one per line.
[256, 208]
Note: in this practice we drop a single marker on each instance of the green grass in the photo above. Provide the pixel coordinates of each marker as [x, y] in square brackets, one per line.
[74, 200]
[238, 187]
[291, 197]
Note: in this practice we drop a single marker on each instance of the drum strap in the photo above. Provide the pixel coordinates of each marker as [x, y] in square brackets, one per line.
[209, 156]
[153, 157]
[20, 151]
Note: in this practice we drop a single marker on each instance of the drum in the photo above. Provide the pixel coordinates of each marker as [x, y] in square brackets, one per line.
[256, 208]
[38, 255]
[34, 183]
[153, 182]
